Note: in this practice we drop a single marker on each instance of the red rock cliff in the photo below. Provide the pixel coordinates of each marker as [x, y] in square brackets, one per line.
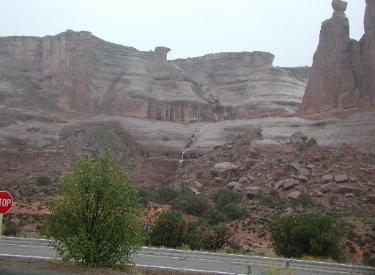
[342, 75]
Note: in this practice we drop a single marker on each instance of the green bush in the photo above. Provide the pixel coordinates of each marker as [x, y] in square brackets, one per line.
[304, 200]
[11, 229]
[273, 200]
[214, 237]
[369, 260]
[190, 203]
[168, 230]
[192, 236]
[306, 234]
[161, 195]
[97, 219]
[234, 211]
[225, 196]
[166, 195]
[214, 216]
[43, 180]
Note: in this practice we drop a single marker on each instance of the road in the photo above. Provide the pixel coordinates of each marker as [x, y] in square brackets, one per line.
[194, 261]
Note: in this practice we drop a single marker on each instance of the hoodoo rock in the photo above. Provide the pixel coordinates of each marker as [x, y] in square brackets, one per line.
[342, 73]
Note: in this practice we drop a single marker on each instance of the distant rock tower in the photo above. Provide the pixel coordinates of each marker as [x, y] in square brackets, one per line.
[343, 70]
[161, 53]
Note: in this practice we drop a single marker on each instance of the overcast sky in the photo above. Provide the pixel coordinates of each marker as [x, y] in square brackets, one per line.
[287, 28]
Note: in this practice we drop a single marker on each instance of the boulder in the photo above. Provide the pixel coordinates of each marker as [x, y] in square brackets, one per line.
[253, 192]
[243, 180]
[348, 189]
[304, 172]
[198, 185]
[224, 167]
[310, 166]
[194, 190]
[234, 185]
[295, 165]
[341, 178]
[218, 179]
[371, 198]
[303, 178]
[325, 188]
[294, 195]
[289, 183]
[285, 184]
[318, 194]
[327, 178]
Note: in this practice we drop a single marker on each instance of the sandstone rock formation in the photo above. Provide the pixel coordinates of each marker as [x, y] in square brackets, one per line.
[78, 72]
[342, 75]
[246, 83]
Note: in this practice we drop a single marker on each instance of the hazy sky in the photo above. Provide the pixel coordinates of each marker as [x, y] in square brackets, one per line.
[287, 28]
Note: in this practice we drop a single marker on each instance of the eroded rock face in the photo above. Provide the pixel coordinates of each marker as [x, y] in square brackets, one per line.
[79, 72]
[342, 73]
[245, 84]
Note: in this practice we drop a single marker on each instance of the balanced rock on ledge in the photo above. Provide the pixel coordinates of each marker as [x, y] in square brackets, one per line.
[342, 74]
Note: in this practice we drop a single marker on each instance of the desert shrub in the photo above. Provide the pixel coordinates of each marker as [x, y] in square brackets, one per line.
[192, 236]
[332, 200]
[304, 200]
[96, 220]
[234, 211]
[161, 195]
[214, 237]
[273, 200]
[43, 180]
[11, 228]
[312, 142]
[146, 195]
[190, 203]
[368, 259]
[225, 196]
[166, 195]
[214, 216]
[168, 230]
[306, 234]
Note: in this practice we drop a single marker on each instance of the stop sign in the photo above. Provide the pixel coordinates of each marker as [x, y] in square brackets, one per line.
[6, 202]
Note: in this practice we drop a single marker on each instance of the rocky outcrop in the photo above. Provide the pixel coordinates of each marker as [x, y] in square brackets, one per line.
[247, 84]
[78, 72]
[82, 73]
[343, 69]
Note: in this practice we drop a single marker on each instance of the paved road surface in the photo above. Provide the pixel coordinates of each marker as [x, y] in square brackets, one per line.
[191, 260]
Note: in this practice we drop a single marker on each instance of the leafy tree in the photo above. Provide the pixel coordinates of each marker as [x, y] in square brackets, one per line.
[306, 234]
[168, 230]
[97, 218]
